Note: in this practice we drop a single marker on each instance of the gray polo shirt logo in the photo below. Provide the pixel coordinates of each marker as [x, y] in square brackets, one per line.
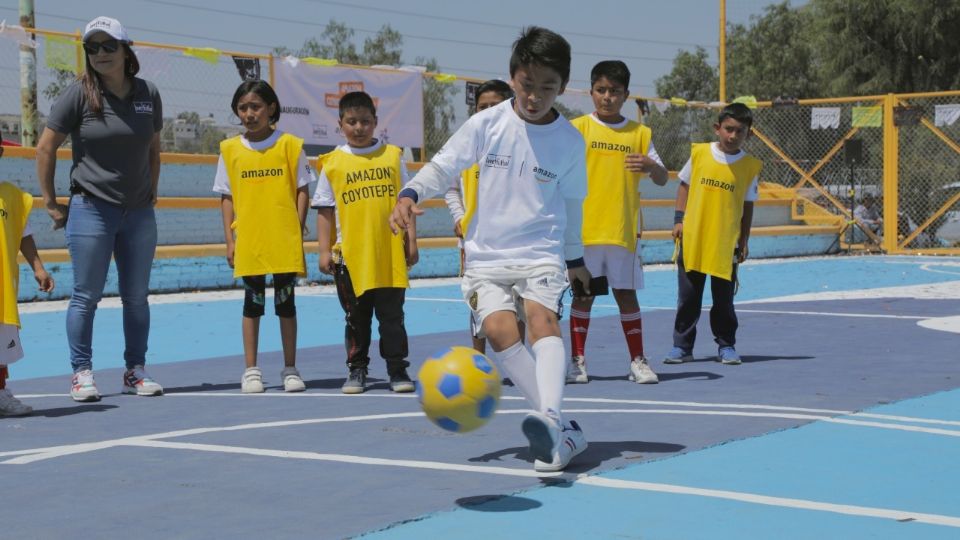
[143, 107]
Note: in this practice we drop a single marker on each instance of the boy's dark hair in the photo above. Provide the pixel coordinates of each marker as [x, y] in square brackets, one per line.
[739, 112]
[541, 47]
[353, 100]
[493, 85]
[614, 70]
[262, 89]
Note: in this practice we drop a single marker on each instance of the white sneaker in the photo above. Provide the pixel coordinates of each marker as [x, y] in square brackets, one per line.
[252, 381]
[542, 432]
[136, 381]
[11, 406]
[571, 443]
[291, 380]
[641, 373]
[577, 370]
[83, 387]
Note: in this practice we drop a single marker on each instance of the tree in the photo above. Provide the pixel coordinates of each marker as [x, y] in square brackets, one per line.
[692, 78]
[385, 48]
[887, 45]
[61, 80]
[204, 137]
[774, 55]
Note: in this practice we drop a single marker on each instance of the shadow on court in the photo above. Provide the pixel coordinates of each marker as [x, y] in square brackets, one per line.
[497, 503]
[60, 412]
[597, 453]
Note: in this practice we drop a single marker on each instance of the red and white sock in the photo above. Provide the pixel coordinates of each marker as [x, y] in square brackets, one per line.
[633, 331]
[579, 325]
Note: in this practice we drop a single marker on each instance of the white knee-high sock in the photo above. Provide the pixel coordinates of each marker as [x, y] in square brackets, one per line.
[551, 374]
[518, 364]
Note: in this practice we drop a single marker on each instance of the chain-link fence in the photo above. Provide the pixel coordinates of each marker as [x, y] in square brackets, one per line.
[830, 157]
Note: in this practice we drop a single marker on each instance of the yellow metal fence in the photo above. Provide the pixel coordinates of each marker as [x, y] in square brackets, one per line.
[910, 158]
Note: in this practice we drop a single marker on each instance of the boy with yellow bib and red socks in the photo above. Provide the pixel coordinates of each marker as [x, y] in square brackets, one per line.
[619, 153]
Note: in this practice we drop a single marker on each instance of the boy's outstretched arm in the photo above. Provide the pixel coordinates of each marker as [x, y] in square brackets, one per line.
[573, 245]
[679, 208]
[404, 213]
[29, 249]
[325, 219]
[745, 223]
[410, 249]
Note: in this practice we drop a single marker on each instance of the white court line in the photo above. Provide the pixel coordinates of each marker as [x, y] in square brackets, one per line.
[345, 458]
[831, 314]
[803, 504]
[40, 454]
[594, 481]
[306, 395]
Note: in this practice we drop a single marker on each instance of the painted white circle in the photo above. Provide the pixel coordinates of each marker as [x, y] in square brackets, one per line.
[944, 324]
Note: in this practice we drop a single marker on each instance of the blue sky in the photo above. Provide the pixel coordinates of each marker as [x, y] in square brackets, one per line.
[467, 38]
[470, 39]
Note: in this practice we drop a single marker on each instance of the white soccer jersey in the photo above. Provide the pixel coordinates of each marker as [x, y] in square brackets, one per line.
[530, 175]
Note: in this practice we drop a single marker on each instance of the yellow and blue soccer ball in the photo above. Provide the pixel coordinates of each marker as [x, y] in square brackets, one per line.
[459, 389]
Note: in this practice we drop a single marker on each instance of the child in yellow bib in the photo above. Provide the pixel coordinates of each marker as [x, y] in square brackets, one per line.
[263, 178]
[462, 199]
[15, 236]
[619, 153]
[714, 211]
[356, 189]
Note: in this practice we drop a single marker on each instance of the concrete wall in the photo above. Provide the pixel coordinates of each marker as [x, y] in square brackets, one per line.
[204, 226]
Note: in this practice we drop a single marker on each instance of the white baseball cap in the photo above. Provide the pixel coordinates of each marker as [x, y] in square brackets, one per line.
[111, 27]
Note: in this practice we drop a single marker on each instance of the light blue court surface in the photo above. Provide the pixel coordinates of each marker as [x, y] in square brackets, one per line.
[192, 330]
[842, 422]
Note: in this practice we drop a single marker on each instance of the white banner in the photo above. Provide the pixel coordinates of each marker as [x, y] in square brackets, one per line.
[825, 118]
[945, 115]
[309, 96]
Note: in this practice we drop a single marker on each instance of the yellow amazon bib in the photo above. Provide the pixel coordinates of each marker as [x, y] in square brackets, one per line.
[15, 207]
[611, 208]
[366, 188]
[711, 225]
[264, 188]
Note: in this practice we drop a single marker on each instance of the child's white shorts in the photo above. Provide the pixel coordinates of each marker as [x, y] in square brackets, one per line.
[10, 348]
[488, 290]
[623, 268]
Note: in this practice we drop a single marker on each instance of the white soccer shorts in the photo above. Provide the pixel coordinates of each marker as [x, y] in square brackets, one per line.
[623, 268]
[10, 348]
[488, 290]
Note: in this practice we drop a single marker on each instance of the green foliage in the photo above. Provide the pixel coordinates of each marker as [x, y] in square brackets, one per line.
[887, 45]
[61, 80]
[692, 78]
[773, 56]
[830, 48]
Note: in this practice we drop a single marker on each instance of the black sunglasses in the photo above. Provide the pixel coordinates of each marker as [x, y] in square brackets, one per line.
[93, 47]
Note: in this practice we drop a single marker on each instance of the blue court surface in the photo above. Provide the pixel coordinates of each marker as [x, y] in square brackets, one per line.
[842, 422]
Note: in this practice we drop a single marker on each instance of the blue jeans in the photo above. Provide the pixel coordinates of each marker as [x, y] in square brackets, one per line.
[95, 231]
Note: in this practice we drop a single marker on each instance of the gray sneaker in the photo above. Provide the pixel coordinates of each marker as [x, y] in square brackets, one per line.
[356, 381]
[400, 382]
[577, 370]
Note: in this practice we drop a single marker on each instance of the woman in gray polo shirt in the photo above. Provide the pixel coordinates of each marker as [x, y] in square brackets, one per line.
[114, 121]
